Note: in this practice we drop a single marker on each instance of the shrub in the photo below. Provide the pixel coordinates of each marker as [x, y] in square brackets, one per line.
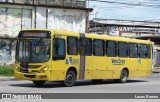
[6, 70]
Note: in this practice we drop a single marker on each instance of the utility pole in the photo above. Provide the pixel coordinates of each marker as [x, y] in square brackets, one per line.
[95, 20]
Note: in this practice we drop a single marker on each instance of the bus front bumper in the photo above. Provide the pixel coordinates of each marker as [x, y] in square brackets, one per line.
[32, 76]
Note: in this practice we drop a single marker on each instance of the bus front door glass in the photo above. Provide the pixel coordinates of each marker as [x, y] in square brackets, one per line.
[23, 51]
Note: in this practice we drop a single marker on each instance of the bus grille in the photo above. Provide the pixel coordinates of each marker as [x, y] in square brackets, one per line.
[34, 66]
[25, 69]
[30, 76]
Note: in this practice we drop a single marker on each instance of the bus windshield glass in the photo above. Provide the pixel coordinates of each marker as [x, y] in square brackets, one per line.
[33, 50]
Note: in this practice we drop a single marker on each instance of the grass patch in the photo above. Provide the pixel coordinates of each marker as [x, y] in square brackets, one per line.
[6, 71]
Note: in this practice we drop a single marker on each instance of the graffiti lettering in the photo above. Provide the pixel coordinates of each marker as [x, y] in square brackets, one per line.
[10, 21]
[65, 20]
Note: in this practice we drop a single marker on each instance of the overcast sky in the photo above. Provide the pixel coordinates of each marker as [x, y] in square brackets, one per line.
[126, 9]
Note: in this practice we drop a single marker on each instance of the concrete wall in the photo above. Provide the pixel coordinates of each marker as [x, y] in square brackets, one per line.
[14, 18]
[10, 21]
[73, 20]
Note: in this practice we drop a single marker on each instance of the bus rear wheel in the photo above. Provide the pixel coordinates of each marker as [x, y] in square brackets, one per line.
[70, 79]
[38, 83]
[123, 77]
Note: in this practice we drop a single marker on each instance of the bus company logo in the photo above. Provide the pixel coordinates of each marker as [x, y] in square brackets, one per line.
[70, 60]
[118, 61]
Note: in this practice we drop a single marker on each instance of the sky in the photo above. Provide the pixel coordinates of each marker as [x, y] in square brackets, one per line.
[140, 10]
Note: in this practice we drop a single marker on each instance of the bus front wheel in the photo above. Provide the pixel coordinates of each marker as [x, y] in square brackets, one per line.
[38, 83]
[70, 79]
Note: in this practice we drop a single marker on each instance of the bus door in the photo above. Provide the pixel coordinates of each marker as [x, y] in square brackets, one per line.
[59, 58]
[86, 64]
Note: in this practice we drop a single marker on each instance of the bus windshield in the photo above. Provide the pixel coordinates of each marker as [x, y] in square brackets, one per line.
[33, 50]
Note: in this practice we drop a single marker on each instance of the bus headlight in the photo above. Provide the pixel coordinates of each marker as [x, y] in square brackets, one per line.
[43, 70]
[16, 67]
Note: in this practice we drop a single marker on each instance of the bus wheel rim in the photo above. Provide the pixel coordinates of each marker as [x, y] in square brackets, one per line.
[69, 78]
[124, 75]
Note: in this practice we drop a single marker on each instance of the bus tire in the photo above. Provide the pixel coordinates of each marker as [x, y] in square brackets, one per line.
[124, 76]
[38, 83]
[70, 79]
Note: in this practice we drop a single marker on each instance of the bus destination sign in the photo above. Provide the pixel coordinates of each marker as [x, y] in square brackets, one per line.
[34, 34]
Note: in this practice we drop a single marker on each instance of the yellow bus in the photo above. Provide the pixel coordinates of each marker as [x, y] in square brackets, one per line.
[65, 56]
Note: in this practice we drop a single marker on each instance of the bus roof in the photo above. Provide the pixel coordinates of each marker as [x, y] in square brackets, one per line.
[91, 35]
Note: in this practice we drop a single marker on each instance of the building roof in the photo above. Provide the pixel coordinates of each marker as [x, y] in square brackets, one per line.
[153, 38]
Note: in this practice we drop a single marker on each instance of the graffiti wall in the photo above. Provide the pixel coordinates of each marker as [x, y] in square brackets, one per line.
[72, 20]
[12, 20]
[7, 51]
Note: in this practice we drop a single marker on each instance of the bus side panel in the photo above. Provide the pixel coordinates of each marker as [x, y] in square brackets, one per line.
[149, 66]
[98, 66]
[142, 64]
[121, 63]
[88, 67]
[73, 62]
[102, 68]
[58, 70]
[111, 68]
[132, 65]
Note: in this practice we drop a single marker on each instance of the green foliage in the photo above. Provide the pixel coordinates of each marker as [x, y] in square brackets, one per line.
[6, 71]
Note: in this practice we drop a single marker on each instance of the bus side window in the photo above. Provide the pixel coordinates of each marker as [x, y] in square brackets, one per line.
[122, 49]
[72, 45]
[143, 51]
[58, 49]
[111, 48]
[98, 47]
[133, 50]
[85, 46]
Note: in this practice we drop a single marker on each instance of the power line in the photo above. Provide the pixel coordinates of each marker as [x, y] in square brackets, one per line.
[141, 4]
[114, 5]
[115, 2]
